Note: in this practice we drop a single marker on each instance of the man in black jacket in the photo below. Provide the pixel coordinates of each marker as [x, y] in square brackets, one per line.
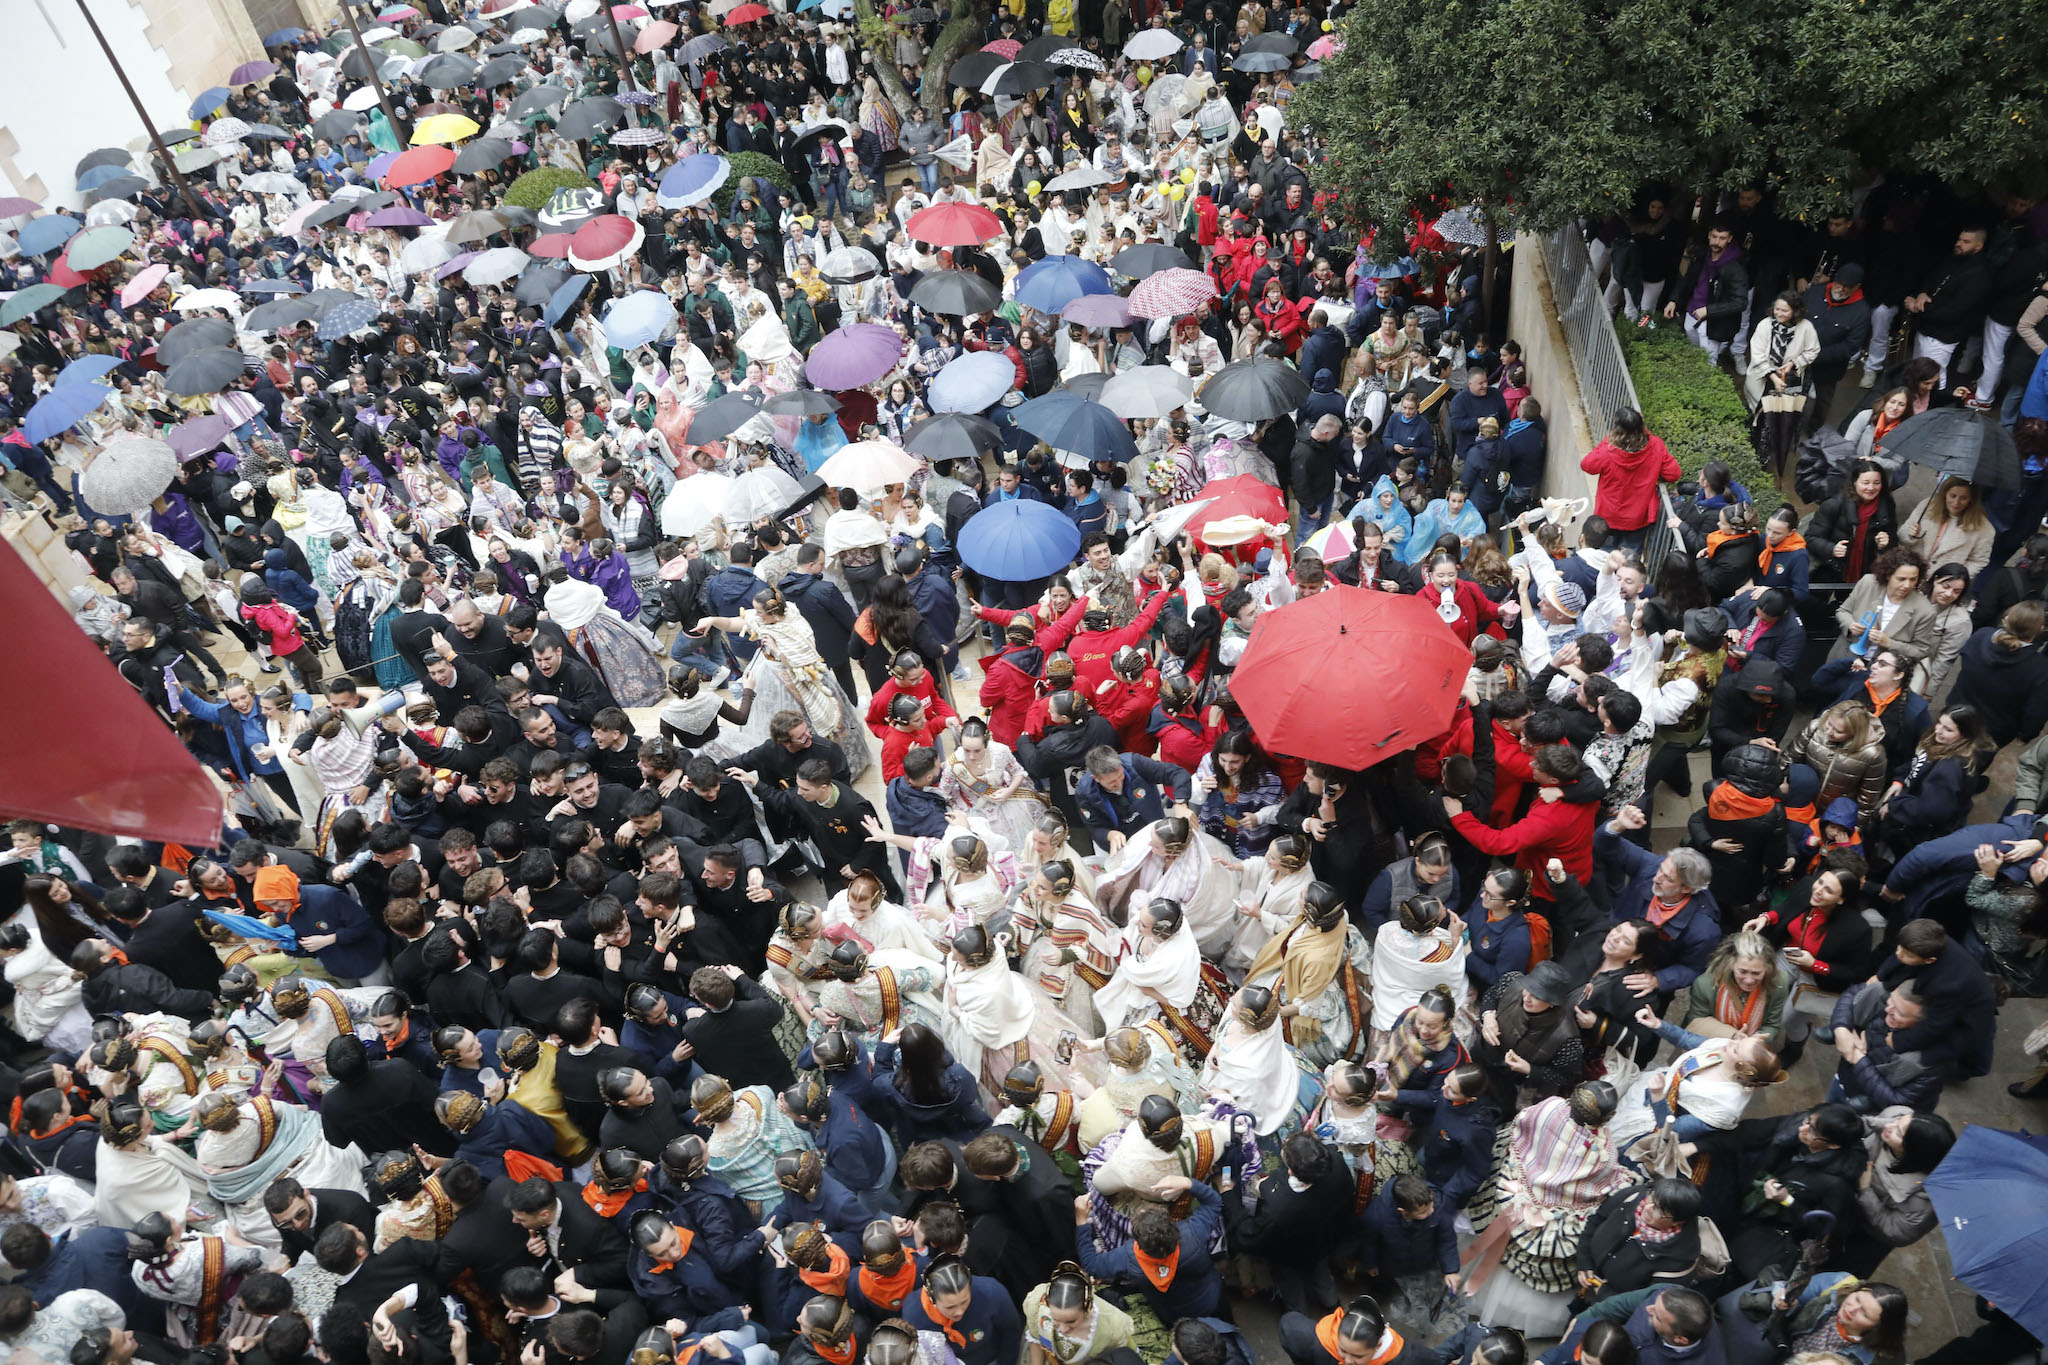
[587, 1053]
[1841, 319]
[381, 1106]
[1032, 1193]
[581, 1241]
[1951, 301]
[1314, 469]
[1640, 1237]
[165, 609]
[567, 683]
[483, 1239]
[300, 1215]
[166, 937]
[1372, 564]
[825, 609]
[367, 1279]
[121, 987]
[1302, 1211]
[730, 1033]
[1714, 293]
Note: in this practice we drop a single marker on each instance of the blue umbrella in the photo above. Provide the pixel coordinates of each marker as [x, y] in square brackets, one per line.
[1019, 541]
[1066, 420]
[972, 382]
[47, 233]
[637, 319]
[692, 180]
[86, 369]
[61, 407]
[1051, 284]
[1987, 1193]
[100, 175]
[248, 926]
[208, 101]
[283, 36]
[563, 299]
[1392, 270]
[351, 315]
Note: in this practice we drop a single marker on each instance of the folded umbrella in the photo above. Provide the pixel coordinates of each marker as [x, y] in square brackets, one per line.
[1019, 541]
[720, 418]
[1068, 421]
[853, 356]
[971, 382]
[957, 293]
[1147, 391]
[1254, 390]
[953, 436]
[1053, 282]
[208, 370]
[1957, 443]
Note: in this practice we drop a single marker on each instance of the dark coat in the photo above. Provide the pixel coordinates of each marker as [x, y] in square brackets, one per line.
[737, 1043]
[1610, 1248]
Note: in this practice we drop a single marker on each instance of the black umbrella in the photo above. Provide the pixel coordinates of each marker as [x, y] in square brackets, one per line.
[1283, 43]
[917, 14]
[570, 208]
[800, 403]
[973, 69]
[267, 132]
[204, 371]
[953, 436]
[814, 138]
[1139, 261]
[1957, 443]
[481, 155]
[498, 71]
[1254, 390]
[198, 334]
[356, 68]
[336, 125]
[538, 286]
[320, 300]
[722, 418]
[1018, 78]
[540, 97]
[445, 71]
[517, 216]
[1038, 49]
[589, 117]
[120, 187]
[333, 211]
[960, 293]
[105, 156]
[174, 136]
[269, 317]
[1260, 61]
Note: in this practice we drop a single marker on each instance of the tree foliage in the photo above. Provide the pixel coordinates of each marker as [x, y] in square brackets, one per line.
[750, 166]
[535, 188]
[878, 36]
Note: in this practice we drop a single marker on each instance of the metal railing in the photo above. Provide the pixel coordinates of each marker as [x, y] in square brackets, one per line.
[1604, 384]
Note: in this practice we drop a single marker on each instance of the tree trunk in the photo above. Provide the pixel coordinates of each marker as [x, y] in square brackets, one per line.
[1489, 263]
[956, 36]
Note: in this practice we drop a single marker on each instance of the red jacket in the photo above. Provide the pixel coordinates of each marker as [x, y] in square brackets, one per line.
[1184, 740]
[897, 743]
[1006, 696]
[1476, 611]
[1051, 635]
[935, 709]
[281, 623]
[1127, 707]
[1091, 650]
[1627, 492]
[1511, 772]
[1552, 829]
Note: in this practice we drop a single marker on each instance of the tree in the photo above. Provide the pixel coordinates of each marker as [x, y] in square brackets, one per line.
[878, 36]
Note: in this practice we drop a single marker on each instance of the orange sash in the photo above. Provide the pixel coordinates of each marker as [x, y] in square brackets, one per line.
[832, 1279]
[890, 1291]
[1326, 1334]
[1159, 1271]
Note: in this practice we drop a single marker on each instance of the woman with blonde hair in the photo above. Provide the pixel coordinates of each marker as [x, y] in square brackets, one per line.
[1845, 746]
[1742, 992]
[1951, 525]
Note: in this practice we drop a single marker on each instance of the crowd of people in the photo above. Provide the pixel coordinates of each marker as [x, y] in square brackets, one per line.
[684, 897]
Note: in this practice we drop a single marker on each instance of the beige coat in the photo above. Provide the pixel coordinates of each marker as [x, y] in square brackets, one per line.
[1947, 542]
[1914, 632]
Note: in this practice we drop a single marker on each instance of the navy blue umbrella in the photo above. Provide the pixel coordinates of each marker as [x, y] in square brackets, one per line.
[61, 407]
[563, 299]
[1066, 420]
[1987, 1193]
[343, 318]
[1019, 541]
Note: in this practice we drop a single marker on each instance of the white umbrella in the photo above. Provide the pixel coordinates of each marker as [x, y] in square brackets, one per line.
[361, 98]
[866, 465]
[1168, 525]
[579, 10]
[208, 298]
[274, 182]
[380, 33]
[454, 39]
[1162, 91]
[959, 153]
[760, 493]
[424, 253]
[106, 213]
[526, 37]
[128, 474]
[198, 159]
[1147, 391]
[849, 265]
[693, 504]
[225, 130]
[495, 266]
[1151, 44]
[1083, 177]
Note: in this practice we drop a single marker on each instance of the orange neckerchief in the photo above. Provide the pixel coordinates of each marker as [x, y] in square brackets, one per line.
[1716, 539]
[116, 955]
[663, 1267]
[608, 1205]
[1660, 912]
[1792, 541]
[404, 1032]
[832, 1279]
[842, 1354]
[945, 1323]
[1877, 706]
[1802, 815]
[888, 1291]
[1726, 802]
[1326, 1333]
[1159, 1270]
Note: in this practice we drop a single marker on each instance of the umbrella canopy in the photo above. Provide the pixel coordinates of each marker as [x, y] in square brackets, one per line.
[694, 502]
[248, 73]
[970, 71]
[398, 215]
[747, 14]
[953, 225]
[847, 265]
[563, 298]
[424, 253]
[345, 318]
[495, 266]
[1987, 1194]
[1242, 497]
[499, 71]
[197, 435]
[1006, 48]
[475, 225]
[46, 234]
[284, 37]
[538, 284]
[1254, 390]
[800, 403]
[1382, 674]
[117, 157]
[441, 128]
[641, 317]
[105, 213]
[656, 36]
[1018, 78]
[25, 302]
[128, 474]
[454, 39]
[1098, 310]
[868, 464]
[94, 247]
[1397, 269]
[1147, 391]
[589, 117]
[540, 97]
[419, 165]
[1056, 281]
[270, 317]
[1082, 177]
[145, 280]
[721, 418]
[86, 369]
[605, 241]
[1172, 293]
[1957, 443]
[208, 101]
[855, 357]
[763, 492]
[1019, 542]
[1067, 421]
[1148, 45]
[1463, 226]
[208, 370]
[62, 407]
[953, 436]
[692, 180]
[337, 124]
[957, 293]
[99, 175]
[1260, 61]
[1138, 262]
[971, 382]
[223, 299]
[197, 334]
[571, 207]
[14, 206]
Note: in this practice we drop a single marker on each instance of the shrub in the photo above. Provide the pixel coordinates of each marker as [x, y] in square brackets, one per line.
[533, 190]
[1696, 408]
[751, 166]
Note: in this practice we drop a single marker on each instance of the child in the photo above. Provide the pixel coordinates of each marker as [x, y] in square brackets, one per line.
[283, 628]
[908, 728]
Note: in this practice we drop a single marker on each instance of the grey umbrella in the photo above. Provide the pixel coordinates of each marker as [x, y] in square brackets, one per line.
[1957, 443]
[800, 403]
[481, 155]
[345, 318]
[280, 313]
[953, 436]
[959, 293]
[539, 285]
[475, 225]
[105, 156]
[1254, 390]
[195, 335]
[721, 418]
[204, 371]
[1260, 61]
[336, 125]
[498, 71]
[540, 97]
[128, 474]
[320, 300]
[120, 187]
[589, 117]
[1139, 261]
[446, 71]
[1282, 43]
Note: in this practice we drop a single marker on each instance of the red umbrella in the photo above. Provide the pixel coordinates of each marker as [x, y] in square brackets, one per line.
[62, 274]
[554, 245]
[1350, 677]
[604, 242]
[953, 225]
[746, 14]
[419, 164]
[1006, 48]
[1243, 496]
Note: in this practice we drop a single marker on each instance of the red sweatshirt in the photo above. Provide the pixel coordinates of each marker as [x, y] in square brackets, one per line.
[1552, 829]
[1127, 707]
[1091, 650]
[935, 709]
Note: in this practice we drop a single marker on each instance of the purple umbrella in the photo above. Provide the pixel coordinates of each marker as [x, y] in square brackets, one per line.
[398, 215]
[853, 356]
[250, 72]
[198, 435]
[454, 264]
[378, 165]
[1098, 310]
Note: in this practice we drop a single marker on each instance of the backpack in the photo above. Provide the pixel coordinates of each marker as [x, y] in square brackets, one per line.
[1539, 938]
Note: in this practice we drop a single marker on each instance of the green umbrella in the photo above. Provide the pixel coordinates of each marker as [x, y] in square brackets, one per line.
[94, 247]
[401, 47]
[26, 301]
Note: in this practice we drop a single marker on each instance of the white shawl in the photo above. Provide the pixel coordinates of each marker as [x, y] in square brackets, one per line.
[574, 604]
[1399, 974]
[989, 1000]
[129, 1186]
[1255, 1072]
[1174, 969]
[888, 926]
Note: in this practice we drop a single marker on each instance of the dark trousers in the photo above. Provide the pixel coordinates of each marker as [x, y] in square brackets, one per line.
[281, 783]
[188, 643]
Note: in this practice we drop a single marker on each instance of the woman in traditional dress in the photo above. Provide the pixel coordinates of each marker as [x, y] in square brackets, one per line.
[194, 1274]
[1140, 1061]
[245, 1145]
[748, 1131]
[1066, 1323]
[137, 1173]
[692, 714]
[871, 996]
[990, 1015]
[799, 958]
[624, 654]
[1070, 950]
[800, 671]
[1269, 898]
[975, 879]
[1050, 842]
[984, 779]
[1558, 1165]
[1253, 1070]
[1317, 965]
[1347, 1119]
[1173, 859]
[1158, 969]
[1708, 1086]
[1414, 1055]
[414, 1203]
[1422, 948]
[862, 914]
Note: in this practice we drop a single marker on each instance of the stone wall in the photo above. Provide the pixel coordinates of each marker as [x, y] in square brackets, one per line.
[1532, 321]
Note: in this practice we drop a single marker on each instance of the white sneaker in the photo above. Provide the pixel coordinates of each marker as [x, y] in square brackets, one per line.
[960, 673]
[718, 678]
[1868, 381]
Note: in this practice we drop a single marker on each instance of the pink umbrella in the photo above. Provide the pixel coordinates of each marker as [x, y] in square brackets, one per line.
[1006, 48]
[1171, 293]
[1098, 310]
[1326, 47]
[399, 215]
[655, 36]
[138, 288]
[625, 12]
[296, 223]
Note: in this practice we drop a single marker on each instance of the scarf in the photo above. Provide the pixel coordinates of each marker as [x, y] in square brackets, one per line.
[1647, 1234]
[1882, 427]
[1859, 540]
[1159, 1270]
[1390, 1342]
[1727, 802]
[924, 1296]
[1742, 1020]
[116, 955]
[1406, 1050]
[832, 1279]
[608, 1205]
[842, 1354]
[1519, 424]
[1307, 959]
[1660, 911]
[1781, 341]
[1716, 539]
[685, 1236]
[888, 1291]
[1877, 703]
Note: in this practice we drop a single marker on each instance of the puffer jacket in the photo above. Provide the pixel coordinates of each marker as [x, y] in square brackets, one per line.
[1862, 773]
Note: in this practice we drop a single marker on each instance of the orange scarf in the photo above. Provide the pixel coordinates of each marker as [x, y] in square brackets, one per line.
[945, 1323]
[1326, 1333]
[116, 955]
[608, 1205]
[1876, 706]
[1744, 1019]
[1716, 539]
[1726, 802]
[842, 1354]
[1660, 912]
[888, 1292]
[832, 1279]
[1792, 541]
[663, 1267]
[1882, 427]
[1159, 1271]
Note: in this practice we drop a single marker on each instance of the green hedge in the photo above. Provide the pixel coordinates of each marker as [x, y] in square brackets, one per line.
[535, 188]
[750, 166]
[1695, 407]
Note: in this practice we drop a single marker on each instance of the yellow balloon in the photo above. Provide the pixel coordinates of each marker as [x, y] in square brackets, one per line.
[1175, 192]
[1187, 175]
[1327, 26]
[1031, 190]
